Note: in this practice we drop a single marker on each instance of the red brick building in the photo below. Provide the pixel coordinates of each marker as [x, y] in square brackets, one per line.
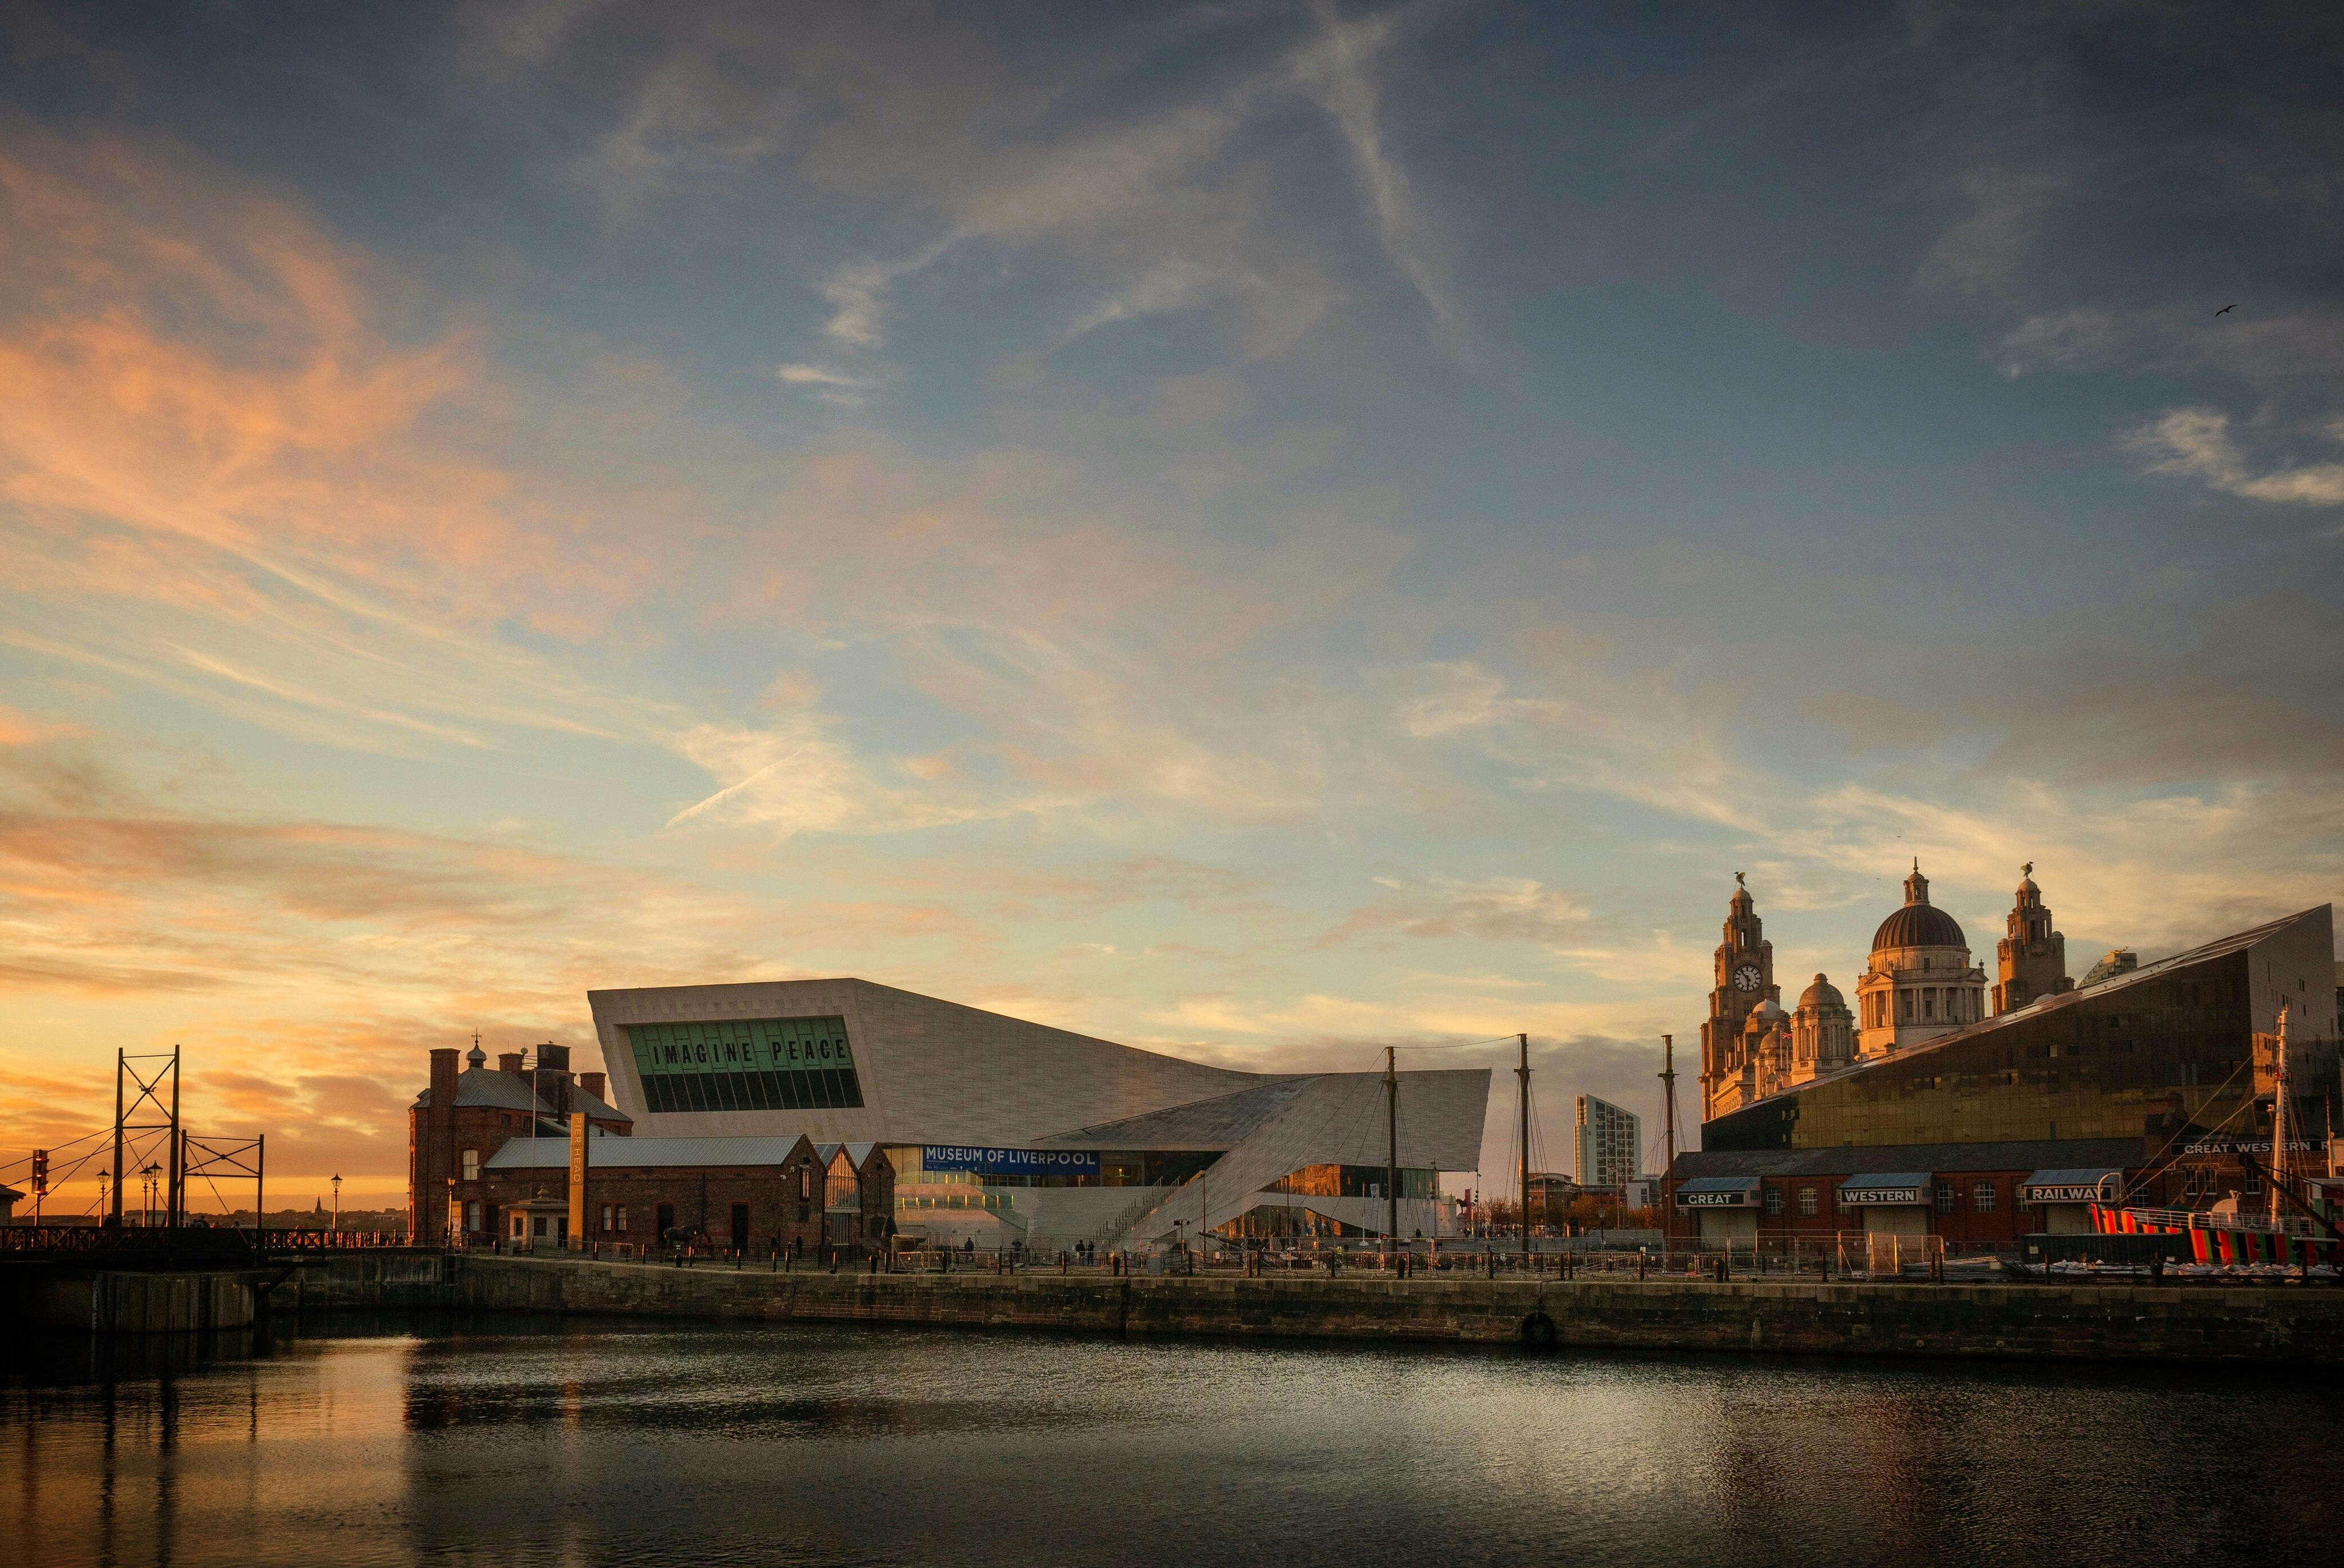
[757, 1194]
[1976, 1196]
[488, 1162]
[458, 1123]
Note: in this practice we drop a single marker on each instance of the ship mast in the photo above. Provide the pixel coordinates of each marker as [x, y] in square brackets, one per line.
[2279, 1115]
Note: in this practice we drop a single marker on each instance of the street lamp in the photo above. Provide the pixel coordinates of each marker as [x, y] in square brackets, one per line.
[147, 1195]
[337, 1203]
[104, 1181]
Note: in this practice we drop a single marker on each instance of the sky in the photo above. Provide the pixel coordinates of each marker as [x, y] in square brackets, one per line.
[1255, 532]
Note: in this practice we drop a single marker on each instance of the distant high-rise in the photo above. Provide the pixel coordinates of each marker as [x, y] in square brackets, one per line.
[1607, 1145]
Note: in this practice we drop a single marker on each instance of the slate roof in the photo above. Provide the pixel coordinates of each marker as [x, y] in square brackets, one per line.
[496, 1089]
[609, 1153]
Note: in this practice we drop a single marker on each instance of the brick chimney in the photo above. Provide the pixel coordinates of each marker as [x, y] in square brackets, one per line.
[592, 1084]
[435, 1155]
[510, 1062]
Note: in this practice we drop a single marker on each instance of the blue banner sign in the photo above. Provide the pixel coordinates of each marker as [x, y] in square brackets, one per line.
[1010, 1162]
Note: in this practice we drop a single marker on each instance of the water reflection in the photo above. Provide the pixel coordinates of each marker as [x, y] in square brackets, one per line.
[565, 1444]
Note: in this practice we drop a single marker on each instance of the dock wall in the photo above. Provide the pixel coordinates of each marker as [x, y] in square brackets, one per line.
[2082, 1322]
[129, 1301]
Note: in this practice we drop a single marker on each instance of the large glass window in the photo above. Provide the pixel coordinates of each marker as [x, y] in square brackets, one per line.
[748, 1064]
[1352, 1181]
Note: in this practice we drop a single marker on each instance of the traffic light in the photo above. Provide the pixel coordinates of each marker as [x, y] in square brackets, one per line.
[40, 1173]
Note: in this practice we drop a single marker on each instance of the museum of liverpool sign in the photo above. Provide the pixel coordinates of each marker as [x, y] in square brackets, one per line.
[1009, 1161]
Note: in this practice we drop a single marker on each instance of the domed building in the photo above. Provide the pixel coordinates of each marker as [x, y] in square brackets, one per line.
[1765, 1050]
[1919, 983]
[1822, 1031]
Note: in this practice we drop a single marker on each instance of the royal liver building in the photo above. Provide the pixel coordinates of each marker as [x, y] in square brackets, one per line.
[1917, 985]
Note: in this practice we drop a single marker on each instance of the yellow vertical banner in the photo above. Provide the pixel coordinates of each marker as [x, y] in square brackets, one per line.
[578, 1233]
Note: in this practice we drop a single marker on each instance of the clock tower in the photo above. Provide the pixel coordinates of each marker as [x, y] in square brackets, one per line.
[1744, 977]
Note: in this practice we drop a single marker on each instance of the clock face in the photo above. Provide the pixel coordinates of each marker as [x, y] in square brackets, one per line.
[1746, 978]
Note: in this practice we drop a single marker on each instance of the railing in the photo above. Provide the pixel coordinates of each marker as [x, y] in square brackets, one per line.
[2259, 1220]
[187, 1241]
[329, 1241]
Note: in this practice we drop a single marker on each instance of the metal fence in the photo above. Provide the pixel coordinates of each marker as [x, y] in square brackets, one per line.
[225, 1242]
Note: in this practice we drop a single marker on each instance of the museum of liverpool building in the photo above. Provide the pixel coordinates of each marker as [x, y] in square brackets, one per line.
[1943, 1107]
[964, 1125]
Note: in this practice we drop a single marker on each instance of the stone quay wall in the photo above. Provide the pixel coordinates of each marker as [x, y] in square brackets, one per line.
[2062, 1321]
[127, 1301]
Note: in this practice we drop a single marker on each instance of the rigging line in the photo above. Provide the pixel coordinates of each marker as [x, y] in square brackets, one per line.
[1459, 1045]
[2244, 1064]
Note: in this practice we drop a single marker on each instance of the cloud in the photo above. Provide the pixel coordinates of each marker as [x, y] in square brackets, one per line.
[1176, 285]
[1984, 251]
[857, 294]
[2079, 340]
[1633, 737]
[800, 778]
[2196, 443]
[1466, 697]
[1492, 909]
[845, 388]
[20, 730]
[1335, 73]
[820, 376]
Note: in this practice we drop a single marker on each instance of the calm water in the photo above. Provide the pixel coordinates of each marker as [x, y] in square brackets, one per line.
[761, 1445]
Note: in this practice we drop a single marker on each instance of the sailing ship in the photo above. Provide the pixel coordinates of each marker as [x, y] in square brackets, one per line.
[2293, 1235]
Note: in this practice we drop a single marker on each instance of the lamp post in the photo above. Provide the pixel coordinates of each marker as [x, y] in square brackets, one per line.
[146, 1175]
[104, 1181]
[337, 1181]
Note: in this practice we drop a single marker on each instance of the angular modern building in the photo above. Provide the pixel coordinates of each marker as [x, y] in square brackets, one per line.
[1006, 1131]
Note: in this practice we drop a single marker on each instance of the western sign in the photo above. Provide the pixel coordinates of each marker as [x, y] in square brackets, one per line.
[1855, 1194]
